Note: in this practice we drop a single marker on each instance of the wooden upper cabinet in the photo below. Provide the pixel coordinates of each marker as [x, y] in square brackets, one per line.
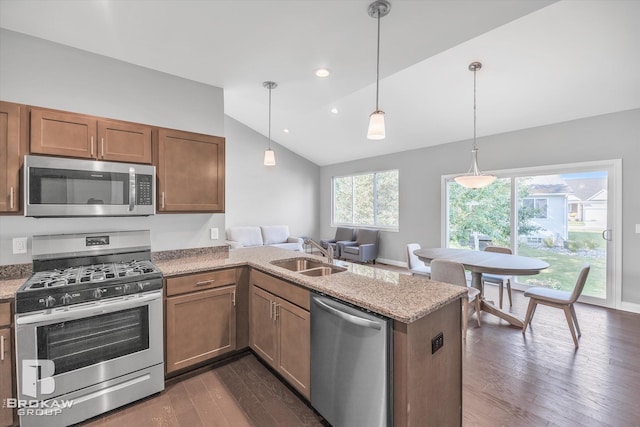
[124, 142]
[13, 138]
[190, 171]
[77, 135]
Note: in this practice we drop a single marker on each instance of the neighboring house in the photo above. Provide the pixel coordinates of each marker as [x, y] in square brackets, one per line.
[548, 196]
[557, 200]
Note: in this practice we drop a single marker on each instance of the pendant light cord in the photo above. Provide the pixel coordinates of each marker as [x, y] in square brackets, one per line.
[474, 108]
[378, 63]
[269, 117]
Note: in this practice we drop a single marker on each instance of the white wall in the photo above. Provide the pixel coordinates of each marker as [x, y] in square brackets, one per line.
[609, 136]
[37, 72]
[287, 193]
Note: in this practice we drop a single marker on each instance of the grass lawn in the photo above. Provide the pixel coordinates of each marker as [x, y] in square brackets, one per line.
[564, 267]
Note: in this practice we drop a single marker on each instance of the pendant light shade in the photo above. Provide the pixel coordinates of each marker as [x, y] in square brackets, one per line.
[376, 131]
[474, 178]
[269, 155]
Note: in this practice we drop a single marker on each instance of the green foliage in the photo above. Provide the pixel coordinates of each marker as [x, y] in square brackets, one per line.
[548, 242]
[573, 245]
[367, 199]
[487, 211]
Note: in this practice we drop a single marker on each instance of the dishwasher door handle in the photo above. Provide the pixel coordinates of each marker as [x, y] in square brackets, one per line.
[348, 317]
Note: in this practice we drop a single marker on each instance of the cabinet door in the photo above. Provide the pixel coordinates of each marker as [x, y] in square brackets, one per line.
[262, 327]
[62, 134]
[190, 172]
[200, 326]
[12, 135]
[6, 381]
[124, 142]
[294, 342]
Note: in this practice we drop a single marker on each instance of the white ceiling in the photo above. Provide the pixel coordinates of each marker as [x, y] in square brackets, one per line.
[543, 62]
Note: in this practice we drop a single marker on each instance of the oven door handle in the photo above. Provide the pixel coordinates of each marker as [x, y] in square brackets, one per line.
[87, 311]
[132, 188]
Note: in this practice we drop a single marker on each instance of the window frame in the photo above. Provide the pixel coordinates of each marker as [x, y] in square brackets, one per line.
[334, 223]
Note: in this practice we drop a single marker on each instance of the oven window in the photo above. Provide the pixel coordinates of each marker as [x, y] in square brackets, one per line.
[83, 342]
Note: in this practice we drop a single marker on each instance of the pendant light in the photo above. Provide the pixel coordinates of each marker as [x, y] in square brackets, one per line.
[269, 155]
[377, 9]
[474, 178]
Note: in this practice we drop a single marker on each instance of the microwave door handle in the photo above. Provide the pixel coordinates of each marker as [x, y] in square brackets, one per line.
[132, 188]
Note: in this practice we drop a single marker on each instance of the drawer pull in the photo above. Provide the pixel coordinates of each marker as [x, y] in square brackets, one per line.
[205, 282]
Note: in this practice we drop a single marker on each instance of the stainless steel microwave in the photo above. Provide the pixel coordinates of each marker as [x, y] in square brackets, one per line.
[61, 187]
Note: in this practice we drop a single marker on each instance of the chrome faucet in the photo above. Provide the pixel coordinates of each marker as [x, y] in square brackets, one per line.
[326, 252]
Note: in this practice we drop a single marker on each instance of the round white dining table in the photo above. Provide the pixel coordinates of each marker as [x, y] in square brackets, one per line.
[478, 262]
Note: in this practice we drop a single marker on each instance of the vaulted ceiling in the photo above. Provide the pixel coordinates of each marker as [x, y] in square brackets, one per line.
[543, 61]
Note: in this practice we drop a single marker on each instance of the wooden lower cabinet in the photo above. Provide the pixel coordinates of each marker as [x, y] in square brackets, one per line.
[279, 331]
[199, 326]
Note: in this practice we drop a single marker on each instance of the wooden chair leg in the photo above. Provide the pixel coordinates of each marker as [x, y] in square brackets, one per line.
[509, 292]
[465, 314]
[500, 293]
[567, 314]
[575, 319]
[530, 310]
[477, 305]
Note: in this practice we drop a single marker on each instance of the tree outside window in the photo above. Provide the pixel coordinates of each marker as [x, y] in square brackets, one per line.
[369, 199]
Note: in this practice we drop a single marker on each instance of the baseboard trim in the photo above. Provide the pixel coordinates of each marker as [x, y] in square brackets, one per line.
[392, 262]
[629, 306]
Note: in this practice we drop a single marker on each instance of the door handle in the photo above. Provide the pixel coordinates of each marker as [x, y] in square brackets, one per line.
[92, 146]
[132, 185]
[348, 317]
[606, 235]
[1, 347]
[102, 146]
[162, 198]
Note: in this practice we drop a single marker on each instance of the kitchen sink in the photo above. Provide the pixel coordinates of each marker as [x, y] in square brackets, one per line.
[308, 267]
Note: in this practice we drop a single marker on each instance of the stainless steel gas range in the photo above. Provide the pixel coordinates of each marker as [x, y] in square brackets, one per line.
[88, 327]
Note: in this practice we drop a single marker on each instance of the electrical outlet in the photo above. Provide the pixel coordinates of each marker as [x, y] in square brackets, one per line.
[20, 245]
[214, 233]
[437, 342]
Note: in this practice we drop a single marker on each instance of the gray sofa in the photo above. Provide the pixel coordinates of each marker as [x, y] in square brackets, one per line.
[266, 235]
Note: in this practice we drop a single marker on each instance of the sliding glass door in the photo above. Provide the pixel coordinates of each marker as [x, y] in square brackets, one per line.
[565, 215]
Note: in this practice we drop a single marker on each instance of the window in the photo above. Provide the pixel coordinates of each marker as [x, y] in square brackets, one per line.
[369, 199]
[566, 215]
[537, 206]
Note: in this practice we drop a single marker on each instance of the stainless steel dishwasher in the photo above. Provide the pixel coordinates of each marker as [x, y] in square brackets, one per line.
[351, 364]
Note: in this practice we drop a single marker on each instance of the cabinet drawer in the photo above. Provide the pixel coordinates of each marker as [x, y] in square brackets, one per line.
[285, 290]
[5, 313]
[200, 281]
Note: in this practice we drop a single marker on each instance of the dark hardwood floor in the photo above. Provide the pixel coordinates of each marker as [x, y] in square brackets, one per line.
[538, 379]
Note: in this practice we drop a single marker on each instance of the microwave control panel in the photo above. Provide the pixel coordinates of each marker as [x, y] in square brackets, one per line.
[144, 190]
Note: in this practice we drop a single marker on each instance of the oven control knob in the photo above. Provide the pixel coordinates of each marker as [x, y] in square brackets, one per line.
[49, 301]
[97, 293]
[141, 286]
[126, 288]
[65, 299]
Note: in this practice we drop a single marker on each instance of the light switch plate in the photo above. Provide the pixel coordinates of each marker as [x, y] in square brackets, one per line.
[214, 233]
[638, 228]
[20, 245]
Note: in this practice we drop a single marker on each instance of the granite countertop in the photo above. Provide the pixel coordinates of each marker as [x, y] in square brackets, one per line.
[399, 296]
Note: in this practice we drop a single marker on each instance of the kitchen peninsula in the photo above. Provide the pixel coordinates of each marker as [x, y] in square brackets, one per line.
[427, 383]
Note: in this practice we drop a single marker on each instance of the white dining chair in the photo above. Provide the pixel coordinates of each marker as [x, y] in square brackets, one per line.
[415, 264]
[453, 272]
[558, 299]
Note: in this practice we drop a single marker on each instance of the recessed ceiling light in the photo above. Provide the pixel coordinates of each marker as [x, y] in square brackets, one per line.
[334, 110]
[322, 72]
[285, 130]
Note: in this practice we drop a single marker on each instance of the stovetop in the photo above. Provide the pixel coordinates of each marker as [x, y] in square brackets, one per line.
[89, 274]
[81, 284]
